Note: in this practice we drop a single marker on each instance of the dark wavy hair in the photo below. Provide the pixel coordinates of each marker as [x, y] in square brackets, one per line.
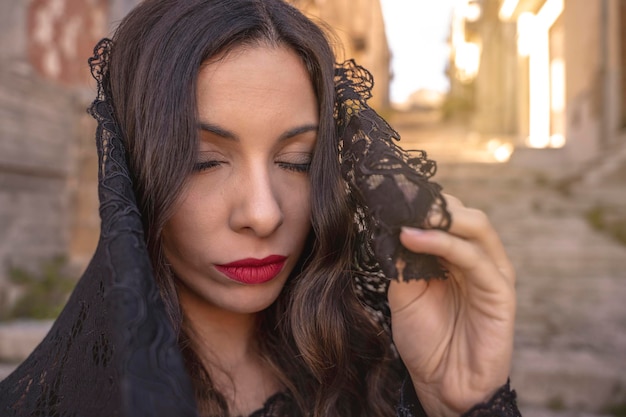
[318, 338]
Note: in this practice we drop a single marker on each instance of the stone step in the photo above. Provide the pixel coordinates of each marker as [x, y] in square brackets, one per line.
[19, 338]
[6, 369]
[571, 382]
[547, 412]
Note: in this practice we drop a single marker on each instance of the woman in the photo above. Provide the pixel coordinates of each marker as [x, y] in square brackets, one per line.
[272, 200]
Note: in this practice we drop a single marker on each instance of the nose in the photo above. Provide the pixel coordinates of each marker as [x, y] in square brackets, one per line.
[256, 209]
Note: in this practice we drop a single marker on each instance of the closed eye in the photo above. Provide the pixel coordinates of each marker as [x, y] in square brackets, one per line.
[204, 165]
[295, 167]
[295, 161]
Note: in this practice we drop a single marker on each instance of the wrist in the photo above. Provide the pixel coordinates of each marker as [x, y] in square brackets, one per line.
[441, 402]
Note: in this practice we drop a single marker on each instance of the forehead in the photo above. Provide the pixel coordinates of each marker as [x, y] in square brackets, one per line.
[261, 80]
[254, 68]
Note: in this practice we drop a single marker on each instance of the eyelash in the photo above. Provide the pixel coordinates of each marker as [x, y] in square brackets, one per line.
[295, 167]
[204, 165]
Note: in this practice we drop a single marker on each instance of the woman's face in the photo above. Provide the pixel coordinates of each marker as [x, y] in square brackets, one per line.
[242, 221]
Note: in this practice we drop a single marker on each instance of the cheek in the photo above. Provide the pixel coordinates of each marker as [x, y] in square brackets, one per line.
[193, 221]
[297, 206]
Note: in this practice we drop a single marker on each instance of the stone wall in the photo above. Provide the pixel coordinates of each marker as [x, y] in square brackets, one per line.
[35, 164]
[593, 79]
[496, 83]
[47, 184]
[360, 29]
[584, 101]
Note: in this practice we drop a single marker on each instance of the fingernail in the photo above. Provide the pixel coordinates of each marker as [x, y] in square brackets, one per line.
[412, 230]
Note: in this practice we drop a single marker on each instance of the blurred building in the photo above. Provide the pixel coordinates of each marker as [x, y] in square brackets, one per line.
[360, 31]
[48, 161]
[543, 73]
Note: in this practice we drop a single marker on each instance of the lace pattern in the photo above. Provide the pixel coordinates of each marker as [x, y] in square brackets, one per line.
[278, 405]
[502, 404]
[112, 351]
[146, 339]
[389, 188]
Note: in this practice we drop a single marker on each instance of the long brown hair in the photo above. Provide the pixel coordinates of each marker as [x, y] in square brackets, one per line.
[317, 337]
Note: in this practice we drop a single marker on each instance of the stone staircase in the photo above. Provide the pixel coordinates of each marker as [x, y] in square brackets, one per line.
[570, 356]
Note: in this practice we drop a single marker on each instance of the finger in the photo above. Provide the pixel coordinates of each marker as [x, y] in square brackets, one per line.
[452, 201]
[473, 224]
[463, 254]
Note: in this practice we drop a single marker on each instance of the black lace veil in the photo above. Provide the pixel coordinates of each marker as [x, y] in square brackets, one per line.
[389, 188]
[113, 351]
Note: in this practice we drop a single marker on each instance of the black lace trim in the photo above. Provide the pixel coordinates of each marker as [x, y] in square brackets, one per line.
[502, 404]
[388, 187]
[391, 186]
[280, 404]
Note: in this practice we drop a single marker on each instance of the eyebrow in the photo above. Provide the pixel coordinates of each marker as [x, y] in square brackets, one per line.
[226, 134]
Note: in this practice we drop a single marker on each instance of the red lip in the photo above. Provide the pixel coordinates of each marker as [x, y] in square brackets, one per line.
[253, 271]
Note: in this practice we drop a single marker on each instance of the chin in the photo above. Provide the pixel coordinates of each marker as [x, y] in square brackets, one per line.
[253, 307]
[250, 299]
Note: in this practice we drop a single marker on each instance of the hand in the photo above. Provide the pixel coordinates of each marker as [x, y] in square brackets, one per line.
[455, 336]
